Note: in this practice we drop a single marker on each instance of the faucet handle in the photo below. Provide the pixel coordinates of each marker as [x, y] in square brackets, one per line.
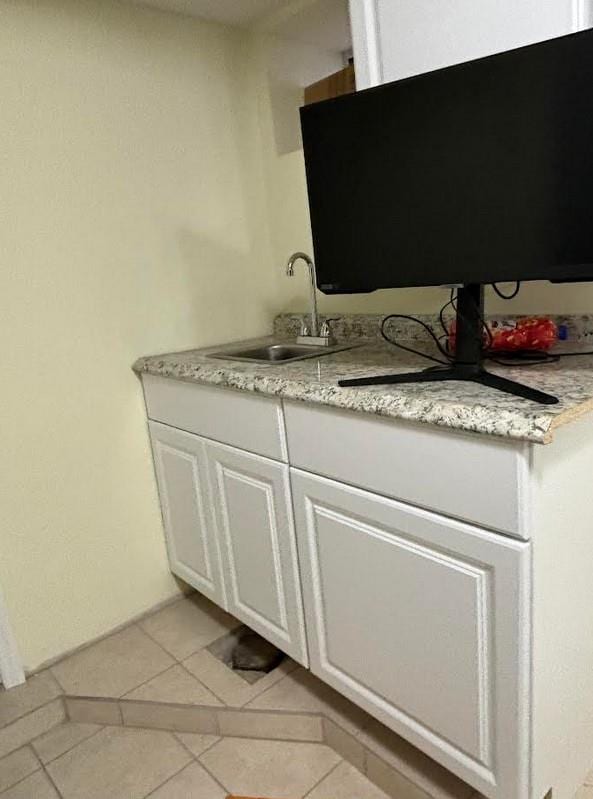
[326, 330]
[305, 330]
[326, 326]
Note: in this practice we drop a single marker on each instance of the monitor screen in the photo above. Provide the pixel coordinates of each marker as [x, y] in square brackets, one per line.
[476, 173]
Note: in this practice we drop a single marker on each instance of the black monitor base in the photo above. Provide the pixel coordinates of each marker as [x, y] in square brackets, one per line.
[469, 356]
[482, 377]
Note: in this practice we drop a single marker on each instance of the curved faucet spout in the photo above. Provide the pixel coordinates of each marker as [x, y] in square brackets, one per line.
[301, 256]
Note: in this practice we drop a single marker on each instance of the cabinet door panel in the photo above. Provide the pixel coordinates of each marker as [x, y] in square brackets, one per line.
[182, 477]
[256, 532]
[423, 622]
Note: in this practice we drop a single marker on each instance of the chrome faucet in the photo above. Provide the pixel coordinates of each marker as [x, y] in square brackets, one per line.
[313, 333]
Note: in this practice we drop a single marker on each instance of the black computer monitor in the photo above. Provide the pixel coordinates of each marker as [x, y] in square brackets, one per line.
[473, 174]
[476, 173]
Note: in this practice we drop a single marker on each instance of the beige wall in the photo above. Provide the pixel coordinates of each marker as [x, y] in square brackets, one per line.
[131, 222]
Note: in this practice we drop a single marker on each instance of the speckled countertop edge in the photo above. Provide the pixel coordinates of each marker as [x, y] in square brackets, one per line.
[455, 406]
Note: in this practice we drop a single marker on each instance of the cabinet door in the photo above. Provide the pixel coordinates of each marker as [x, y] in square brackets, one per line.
[424, 622]
[256, 532]
[182, 477]
[395, 40]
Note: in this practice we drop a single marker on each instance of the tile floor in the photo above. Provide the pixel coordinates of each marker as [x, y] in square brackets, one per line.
[163, 659]
[85, 761]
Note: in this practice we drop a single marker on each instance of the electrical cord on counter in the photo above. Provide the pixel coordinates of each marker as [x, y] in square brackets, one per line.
[519, 358]
[430, 332]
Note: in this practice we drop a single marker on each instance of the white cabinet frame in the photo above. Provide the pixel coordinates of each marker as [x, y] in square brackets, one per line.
[11, 666]
[366, 36]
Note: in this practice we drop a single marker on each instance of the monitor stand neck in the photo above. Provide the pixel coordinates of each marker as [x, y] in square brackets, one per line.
[468, 364]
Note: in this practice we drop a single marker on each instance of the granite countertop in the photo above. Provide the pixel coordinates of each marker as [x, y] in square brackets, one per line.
[454, 405]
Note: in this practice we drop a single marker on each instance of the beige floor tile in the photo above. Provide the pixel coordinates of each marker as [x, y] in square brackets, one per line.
[174, 685]
[269, 768]
[301, 690]
[113, 666]
[37, 691]
[345, 782]
[37, 786]
[413, 764]
[197, 743]
[586, 792]
[62, 738]
[228, 686]
[193, 781]
[118, 764]
[31, 726]
[16, 766]
[188, 625]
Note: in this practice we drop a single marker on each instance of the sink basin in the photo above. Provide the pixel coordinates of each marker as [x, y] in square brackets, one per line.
[277, 353]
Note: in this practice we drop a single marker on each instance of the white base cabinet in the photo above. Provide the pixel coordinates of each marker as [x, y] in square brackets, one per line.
[422, 621]
[230, 532]
[441, 581]
[256, 531]
[186, 503]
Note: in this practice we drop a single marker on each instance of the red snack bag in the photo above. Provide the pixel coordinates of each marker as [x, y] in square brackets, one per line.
[531, 333]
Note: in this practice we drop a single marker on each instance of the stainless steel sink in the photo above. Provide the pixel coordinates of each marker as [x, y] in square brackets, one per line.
[277, 353]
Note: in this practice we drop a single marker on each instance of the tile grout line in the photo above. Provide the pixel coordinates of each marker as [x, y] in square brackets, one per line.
[325, 776]
[245, 705]
[188, 750]
[158, 787]
[61, 696]
[50, 778]
[178, 663]
[154, 641]
[247, 684]
[207, 770]
[197, 679]
[22, 779]
[65, 752]
[18, 782]
[177, 660]
[145, 682]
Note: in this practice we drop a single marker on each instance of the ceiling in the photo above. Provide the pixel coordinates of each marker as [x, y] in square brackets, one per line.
[229, 12]
[321, 23]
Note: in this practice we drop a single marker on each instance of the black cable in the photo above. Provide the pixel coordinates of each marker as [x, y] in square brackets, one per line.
[507, 296]
[444, 308]
[426, 327]
[513, 359]
[502, 358]
[571, 354]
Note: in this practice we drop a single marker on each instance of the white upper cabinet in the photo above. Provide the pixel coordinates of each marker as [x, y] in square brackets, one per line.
[394, 39]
